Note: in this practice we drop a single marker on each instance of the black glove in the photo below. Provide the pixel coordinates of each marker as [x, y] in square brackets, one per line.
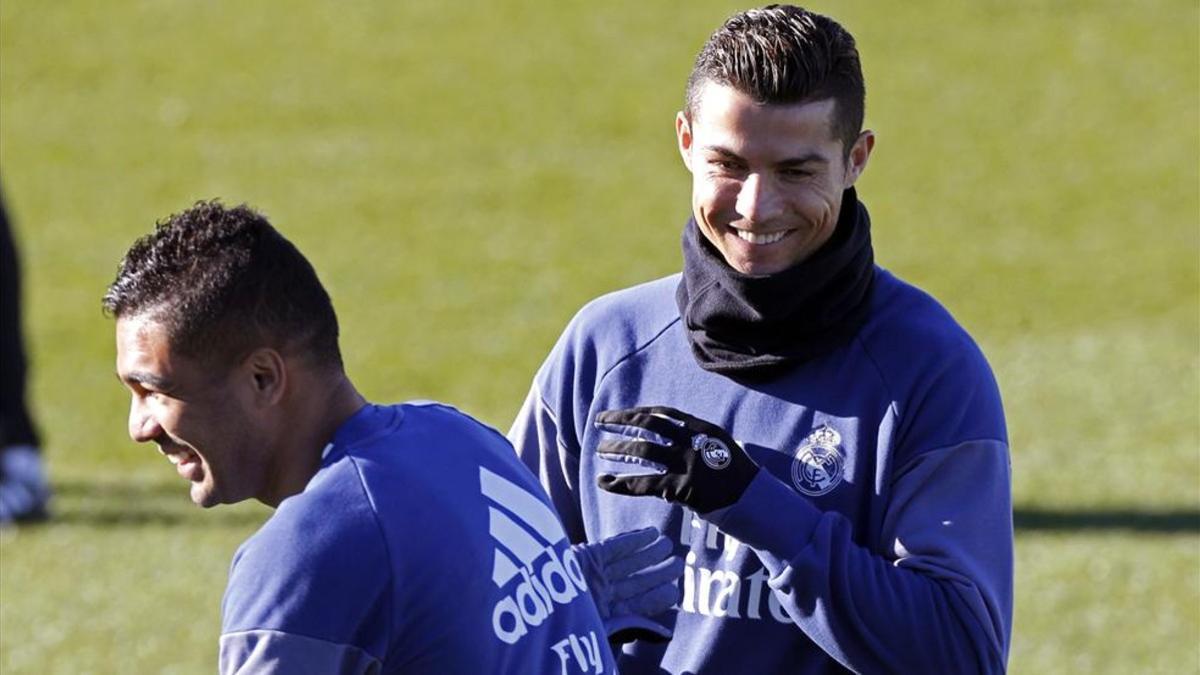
[705, 469]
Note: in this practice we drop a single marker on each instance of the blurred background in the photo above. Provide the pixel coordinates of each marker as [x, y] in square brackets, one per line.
[465, 175]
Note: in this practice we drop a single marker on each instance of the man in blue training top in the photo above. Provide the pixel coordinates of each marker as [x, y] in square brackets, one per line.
[839, 482]
[407, 538]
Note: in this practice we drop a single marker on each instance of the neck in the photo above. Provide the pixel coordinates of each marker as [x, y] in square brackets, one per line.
[309, 426]
[760, 326]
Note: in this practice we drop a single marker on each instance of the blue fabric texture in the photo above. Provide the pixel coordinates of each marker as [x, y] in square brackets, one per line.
[878, 536]
[421, 545]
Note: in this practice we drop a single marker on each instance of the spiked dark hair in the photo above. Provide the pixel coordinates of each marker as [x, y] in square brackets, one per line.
[223, 282]
[785, 54]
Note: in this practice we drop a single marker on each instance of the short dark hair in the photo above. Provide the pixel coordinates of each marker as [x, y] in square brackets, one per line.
[223, 282]
[785, 54]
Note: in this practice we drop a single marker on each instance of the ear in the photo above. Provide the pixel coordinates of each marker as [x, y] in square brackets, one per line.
[856, 163]
[269, 375]
[683, 133]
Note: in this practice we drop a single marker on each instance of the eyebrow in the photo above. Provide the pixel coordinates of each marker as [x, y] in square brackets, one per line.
[154, 381]
[811, 157]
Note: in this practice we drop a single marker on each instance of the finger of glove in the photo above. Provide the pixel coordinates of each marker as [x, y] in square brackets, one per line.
[637, 433]
[684, 420]
[637, 485]
[649, 554]
[674, 416]
[655, 601]
[623, 545]
[663, 573]
[628, 451]
[644, 409]
[594, 574]
[629, 422]
[677, 418]
[660, 411]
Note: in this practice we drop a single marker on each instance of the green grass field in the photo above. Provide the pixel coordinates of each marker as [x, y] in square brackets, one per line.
[464, 178]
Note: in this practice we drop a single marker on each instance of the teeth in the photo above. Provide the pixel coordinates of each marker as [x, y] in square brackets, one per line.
[763, 238]
[174, 459]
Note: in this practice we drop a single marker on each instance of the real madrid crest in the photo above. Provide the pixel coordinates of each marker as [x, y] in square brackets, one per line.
[712, 451]
[818, 465]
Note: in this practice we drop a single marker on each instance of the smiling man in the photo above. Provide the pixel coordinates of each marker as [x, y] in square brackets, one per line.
[840, 483]
[767, 181]
[406, 538]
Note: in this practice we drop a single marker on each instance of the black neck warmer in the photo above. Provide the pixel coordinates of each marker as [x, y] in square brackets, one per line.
[740, 324]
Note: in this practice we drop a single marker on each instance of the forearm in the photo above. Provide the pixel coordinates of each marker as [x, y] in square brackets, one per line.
[873, 613]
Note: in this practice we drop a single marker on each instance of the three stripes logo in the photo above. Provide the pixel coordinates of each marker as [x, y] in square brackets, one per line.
[526, 531]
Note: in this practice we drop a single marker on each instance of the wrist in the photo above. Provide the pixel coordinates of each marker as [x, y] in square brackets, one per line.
[768, 516]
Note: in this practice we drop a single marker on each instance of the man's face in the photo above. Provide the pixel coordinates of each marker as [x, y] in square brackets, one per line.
[199, 418]
[767, 180]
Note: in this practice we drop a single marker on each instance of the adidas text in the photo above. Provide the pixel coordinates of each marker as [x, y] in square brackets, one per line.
[558, 581]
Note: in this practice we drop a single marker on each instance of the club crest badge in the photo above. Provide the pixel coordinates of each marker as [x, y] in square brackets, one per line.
[712, 451]
[817, 468]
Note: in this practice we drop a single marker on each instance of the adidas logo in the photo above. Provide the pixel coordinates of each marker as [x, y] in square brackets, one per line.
[527, 532]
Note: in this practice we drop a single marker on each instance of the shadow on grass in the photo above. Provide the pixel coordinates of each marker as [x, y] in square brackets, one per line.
[109, 489]
[132, 503]
[1162, 521]
[104, 518]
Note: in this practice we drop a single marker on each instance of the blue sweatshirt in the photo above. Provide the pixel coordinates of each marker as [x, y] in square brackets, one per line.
[878, 535]
[420, 546]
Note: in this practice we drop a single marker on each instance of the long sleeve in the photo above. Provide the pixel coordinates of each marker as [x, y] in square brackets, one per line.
[310, 592]
[940, 601]
[536, 436]
[265, 652]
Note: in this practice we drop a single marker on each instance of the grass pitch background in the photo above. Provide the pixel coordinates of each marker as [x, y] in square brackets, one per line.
[464, 178]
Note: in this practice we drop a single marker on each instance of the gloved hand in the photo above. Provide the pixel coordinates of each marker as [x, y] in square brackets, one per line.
[632, 577]
[705, 469]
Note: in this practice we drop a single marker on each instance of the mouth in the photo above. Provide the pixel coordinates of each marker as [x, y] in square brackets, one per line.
[187, 463]
[760, 238]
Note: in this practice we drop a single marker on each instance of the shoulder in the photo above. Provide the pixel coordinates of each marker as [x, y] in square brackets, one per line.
[615, 325]
[319, 556]
[901, 311]
[435, 419]
[931, 367]
[432, 465]
[648, 303]
[909, 330]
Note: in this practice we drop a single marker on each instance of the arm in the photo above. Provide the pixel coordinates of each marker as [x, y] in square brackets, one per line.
[267, 651]
[938, 601]
[310, 592]
[537, 439]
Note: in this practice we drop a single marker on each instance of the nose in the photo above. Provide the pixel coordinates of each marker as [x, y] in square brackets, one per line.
[142, 425]
[758, 200]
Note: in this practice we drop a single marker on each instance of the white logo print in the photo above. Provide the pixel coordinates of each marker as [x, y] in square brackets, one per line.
[527, 530]
[817, 468]
[712, 451]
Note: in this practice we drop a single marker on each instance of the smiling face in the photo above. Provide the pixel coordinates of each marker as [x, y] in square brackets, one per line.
[767, 179]
[197, 415]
